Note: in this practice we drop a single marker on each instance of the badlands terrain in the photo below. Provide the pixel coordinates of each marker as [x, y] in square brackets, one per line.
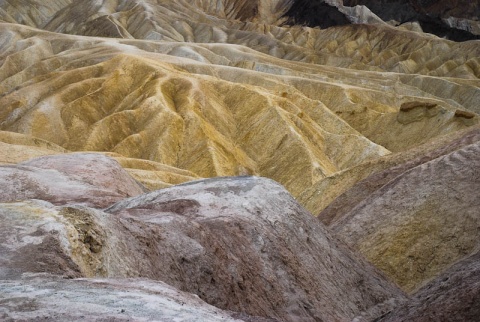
[239, 160]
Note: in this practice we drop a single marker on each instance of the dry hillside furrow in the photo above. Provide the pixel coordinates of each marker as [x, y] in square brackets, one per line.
[340, 192]
[32, 13]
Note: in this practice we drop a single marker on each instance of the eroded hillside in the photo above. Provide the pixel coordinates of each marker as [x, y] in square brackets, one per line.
[353, 113]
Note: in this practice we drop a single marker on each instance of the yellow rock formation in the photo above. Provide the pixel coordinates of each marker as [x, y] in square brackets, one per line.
[220, 88]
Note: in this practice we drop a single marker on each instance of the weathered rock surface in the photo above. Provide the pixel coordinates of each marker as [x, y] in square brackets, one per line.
[416, 219]
[245, 244]
[34, 240]
[153, 175]
[16, 148]
[241, 244]
[43, 297]
[89, 179]
[436, 17]
[183, 105]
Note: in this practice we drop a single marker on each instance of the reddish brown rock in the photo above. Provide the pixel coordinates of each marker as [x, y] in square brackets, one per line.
[241, 244]
[464, 114]
[405, 107]
[244, 244]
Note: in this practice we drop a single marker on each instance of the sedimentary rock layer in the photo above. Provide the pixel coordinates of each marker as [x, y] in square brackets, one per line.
[335, 192]
[374, 126]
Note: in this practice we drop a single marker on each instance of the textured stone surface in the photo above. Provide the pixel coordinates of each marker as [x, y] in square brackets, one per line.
[207, 109]
[454, 19]
[245, 244]
[33, 240]
[153, 175]
[339, 193]
[241, 244]
[43, 297]
[16, 147]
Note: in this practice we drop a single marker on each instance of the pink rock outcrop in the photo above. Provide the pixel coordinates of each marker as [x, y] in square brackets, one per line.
[244, 244]
[89, 179]
[51, 298]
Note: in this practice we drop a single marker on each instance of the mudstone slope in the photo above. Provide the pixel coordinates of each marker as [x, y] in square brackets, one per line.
[367, 120]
